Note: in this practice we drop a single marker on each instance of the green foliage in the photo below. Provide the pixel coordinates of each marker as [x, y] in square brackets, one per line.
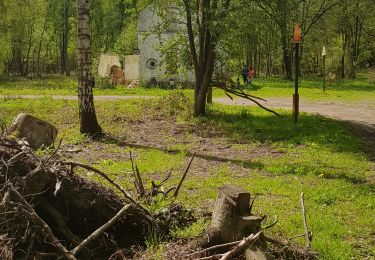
[127, 41]
[196, 229]
[104, 83]
[4, 54]
[176, 103]
[322, 158]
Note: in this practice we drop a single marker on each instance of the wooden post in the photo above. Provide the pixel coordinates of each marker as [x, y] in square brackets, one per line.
[296, 94]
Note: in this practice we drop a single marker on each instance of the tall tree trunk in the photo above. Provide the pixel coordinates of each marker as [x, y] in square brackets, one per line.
[282, 5]
[287, 60]
[88, 121]
[39, 71]
[26, 72]
[355, 41]
[343, 49]
[65, 66]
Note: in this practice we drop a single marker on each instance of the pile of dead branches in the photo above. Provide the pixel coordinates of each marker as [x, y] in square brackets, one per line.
[47, 211]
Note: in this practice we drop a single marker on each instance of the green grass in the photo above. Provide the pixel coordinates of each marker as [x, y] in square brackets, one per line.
[310, 88]
[61, 85]
[320, 157]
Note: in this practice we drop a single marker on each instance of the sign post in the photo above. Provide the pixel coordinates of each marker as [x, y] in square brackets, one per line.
[297, 38]
[324, 54]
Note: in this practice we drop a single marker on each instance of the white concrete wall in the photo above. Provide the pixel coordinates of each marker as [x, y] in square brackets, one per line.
[131, 67]
[147, 20]
[106, 61]
[149, 51]
[149, 45]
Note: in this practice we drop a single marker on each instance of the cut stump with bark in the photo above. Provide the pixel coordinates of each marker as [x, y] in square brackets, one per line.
[231, 217]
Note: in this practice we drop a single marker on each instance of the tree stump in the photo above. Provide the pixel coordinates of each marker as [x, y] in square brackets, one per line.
[36, 132]
[231, 217]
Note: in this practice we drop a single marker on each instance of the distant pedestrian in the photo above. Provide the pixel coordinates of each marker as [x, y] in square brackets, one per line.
[251, 75]
[245, 74]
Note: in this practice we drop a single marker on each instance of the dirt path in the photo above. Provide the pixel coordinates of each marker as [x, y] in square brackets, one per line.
[363, 112]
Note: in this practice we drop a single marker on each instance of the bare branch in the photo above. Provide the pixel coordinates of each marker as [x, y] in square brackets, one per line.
[44, 228]
[243, 244]
[183, 177]
[307, 235]
[100, 230]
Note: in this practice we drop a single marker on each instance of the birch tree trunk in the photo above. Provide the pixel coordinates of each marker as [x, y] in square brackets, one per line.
[88, 121]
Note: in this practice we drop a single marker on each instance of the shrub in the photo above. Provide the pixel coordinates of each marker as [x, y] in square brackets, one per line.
[104, 83]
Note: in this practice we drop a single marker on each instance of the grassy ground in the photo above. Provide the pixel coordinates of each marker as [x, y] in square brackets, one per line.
[265, 154]
[61, 85]
[346, 91]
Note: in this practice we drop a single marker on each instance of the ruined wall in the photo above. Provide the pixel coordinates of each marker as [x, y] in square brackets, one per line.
[106, 61]
[151, 60]
[152, 63]
[131, 67]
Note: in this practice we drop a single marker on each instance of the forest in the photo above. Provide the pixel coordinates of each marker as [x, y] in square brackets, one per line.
[38, 37]
[187, 129]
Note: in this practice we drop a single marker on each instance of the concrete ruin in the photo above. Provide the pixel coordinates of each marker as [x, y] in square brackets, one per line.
[106, 62]
[149, 64]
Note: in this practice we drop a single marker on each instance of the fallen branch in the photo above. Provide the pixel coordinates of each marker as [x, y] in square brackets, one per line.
[140, 182]
[307, 235]
[272, 224]
[183, 177]
[60, 221]
[44, 228]
[99, 231]
[288, 247]
[213, 257]
[243, 244]
[206, 250]
[137, 177]
[105, 176]
[244, 95]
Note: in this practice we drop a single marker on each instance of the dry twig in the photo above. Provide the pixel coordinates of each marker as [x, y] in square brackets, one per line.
[243, 244]
[105, 176]
[137, 177]
[206, 250]
[244, 95]
[183, 177]
[307, 234]
[100, 231]
[44, 228]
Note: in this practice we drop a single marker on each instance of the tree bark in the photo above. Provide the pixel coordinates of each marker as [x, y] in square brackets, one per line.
[65, 68]
[203, 56]
[26, 72]
[342, 65]
[88, 121]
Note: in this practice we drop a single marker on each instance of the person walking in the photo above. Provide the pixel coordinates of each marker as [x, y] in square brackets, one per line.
[245, 74]
[251, 75]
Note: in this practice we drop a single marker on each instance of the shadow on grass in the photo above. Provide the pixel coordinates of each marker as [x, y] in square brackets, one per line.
[242, 125]
[109, 139]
